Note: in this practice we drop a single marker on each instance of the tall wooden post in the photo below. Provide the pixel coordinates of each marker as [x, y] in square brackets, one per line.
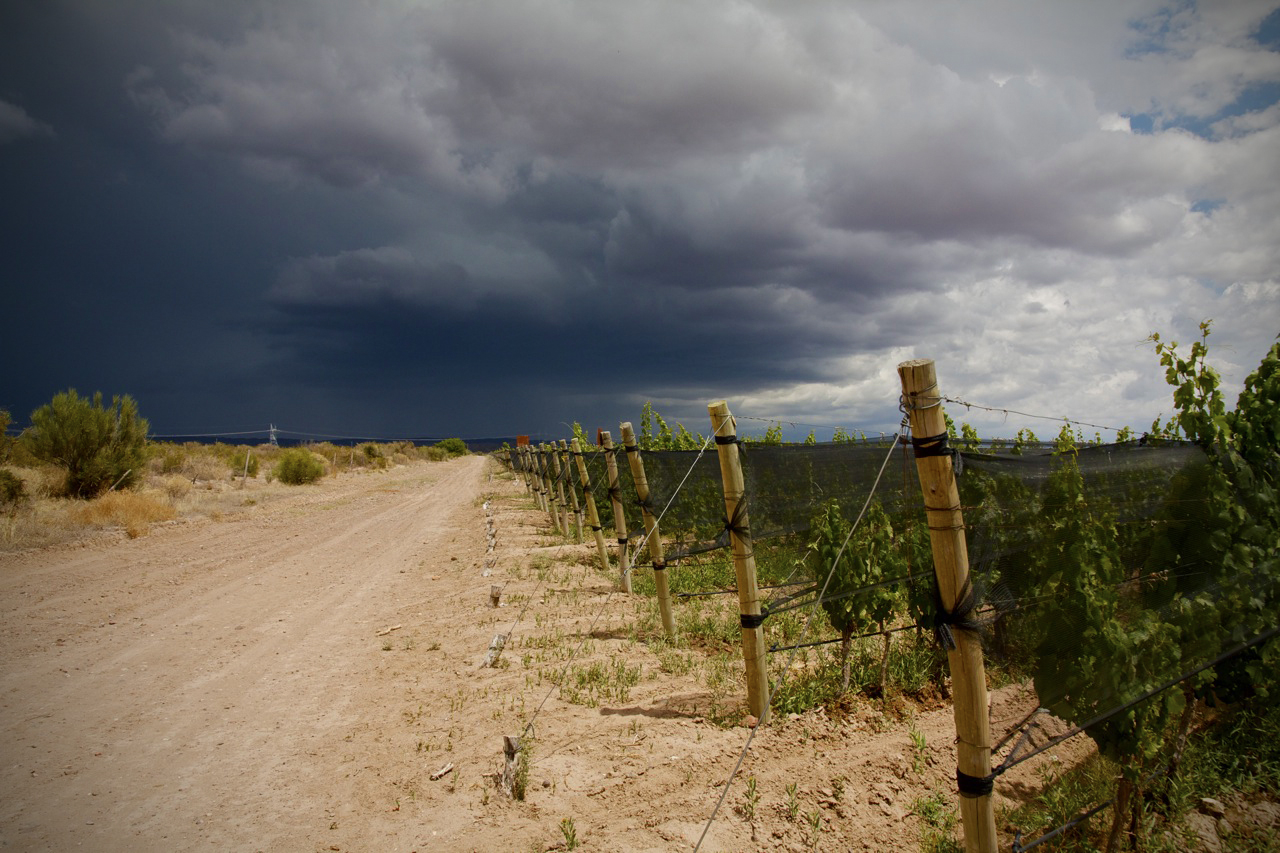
[652, 534]
[522, 452]
[923, 402]
[553, 506]
[725, 430]
[573, 494]
[558, 475]
[535, 475]
[619, 515]
[539, 477]
[517, 466]
[593, 516]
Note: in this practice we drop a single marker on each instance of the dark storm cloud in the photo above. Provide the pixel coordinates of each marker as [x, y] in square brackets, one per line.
[516, 207]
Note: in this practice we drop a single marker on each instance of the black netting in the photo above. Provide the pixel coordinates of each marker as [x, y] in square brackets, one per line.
[785, 487]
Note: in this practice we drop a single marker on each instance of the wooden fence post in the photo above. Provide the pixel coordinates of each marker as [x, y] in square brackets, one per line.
[725, 430]
[573, 494]
[535, 474]
[558, 475]
[552, 506]
[923, 402]
[522, 455]
[593, 516]
[509, 783]
[652, 534]
[619, 514]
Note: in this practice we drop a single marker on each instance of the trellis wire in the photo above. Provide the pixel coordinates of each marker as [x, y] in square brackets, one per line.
[787, 669]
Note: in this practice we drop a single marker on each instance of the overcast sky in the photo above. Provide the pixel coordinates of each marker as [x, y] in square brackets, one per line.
[401, 218]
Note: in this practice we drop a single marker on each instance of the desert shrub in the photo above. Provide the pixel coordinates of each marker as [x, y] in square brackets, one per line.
[13, 492]
[133, 512]
[453, 447]
[237, 461]
[6, 440]
[97, 446]
[176, 486]
[298, 466]
[436, 453]
[168, 459]
[206, 467]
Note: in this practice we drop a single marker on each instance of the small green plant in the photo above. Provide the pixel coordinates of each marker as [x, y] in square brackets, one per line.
[815, 826]
[919, 749]
[570, 834]
[750, 804]
[938, 819]
[520, 785]
[298, 467]
[793, 801]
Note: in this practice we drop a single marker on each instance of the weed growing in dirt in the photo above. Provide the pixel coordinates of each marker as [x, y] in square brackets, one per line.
[919, 748]
[750, 804]
[520, 785]
[938, 824]
[674, 661]
[815, 826]
[589, 684]
[570, 834]
[793, 801]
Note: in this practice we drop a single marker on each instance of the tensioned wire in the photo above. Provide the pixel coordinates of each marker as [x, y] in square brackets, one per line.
[604, 606]
[787, 668]
[644, 540]
[957, 401]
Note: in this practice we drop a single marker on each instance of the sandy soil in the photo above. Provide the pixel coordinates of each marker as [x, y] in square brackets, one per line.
[290, 678]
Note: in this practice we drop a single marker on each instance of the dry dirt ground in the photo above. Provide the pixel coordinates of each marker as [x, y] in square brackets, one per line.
[293, 677]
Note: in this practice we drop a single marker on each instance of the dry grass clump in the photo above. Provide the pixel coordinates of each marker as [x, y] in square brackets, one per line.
[175, 486]
[133, 511]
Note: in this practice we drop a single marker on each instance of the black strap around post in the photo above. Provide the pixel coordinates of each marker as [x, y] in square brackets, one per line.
[946, 622]
[933, 445]
[974, 786]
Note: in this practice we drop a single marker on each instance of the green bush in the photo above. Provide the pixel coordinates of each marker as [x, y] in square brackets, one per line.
[236, 461]
[453, 447]
[97, 446]
[6, 441]
[13, 491]
[172, 459]
[297, 467]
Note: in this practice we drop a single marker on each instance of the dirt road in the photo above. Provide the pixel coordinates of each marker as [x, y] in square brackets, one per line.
[293, 677]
